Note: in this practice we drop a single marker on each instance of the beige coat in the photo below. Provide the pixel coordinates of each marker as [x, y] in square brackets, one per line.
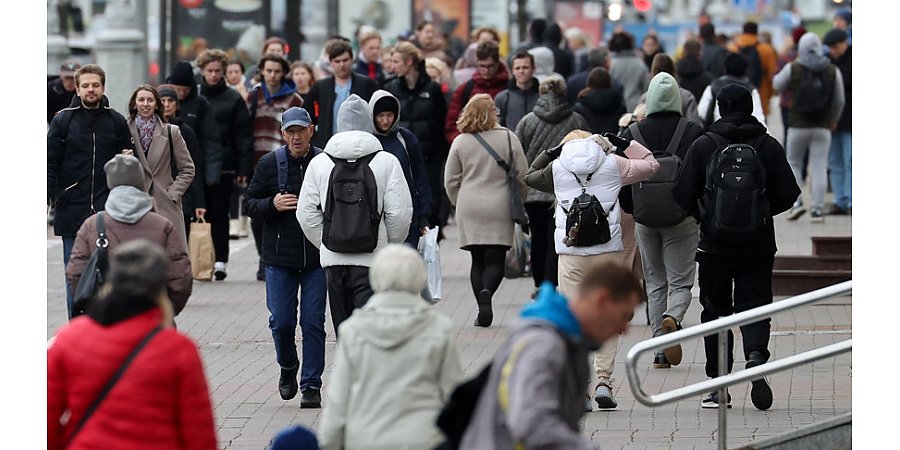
[477, 186]
[158, 182]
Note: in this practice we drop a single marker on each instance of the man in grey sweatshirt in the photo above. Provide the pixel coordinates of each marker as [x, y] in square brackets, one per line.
[534, 395]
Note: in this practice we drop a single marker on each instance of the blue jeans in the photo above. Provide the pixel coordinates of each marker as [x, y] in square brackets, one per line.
[281, 298]
[68, 243]
[840, 164]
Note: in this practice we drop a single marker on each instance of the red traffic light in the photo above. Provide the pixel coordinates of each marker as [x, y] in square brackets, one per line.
[642, 5]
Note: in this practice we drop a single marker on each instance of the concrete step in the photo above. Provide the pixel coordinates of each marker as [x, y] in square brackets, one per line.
[794, 262]
[832, 245]
[795, 282]
[831, 434]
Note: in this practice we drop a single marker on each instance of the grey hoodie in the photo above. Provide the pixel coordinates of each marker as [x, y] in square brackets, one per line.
[379, 95]
[128, 204]
[809, 55]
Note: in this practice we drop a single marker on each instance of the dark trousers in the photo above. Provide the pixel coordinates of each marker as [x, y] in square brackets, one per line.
[218, 200]
[488, 262]
[733, 284]
[282, 284]
[543, 253]
[68, 245]
[440, 206]
[348, 289]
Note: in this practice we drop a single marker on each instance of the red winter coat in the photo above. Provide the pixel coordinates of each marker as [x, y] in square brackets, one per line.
[160, 402]
[491, 87]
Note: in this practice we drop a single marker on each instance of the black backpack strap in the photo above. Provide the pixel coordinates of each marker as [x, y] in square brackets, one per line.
[112, 382]
[102, 241]
[500, 162]
[677, 136]
[281, 167]
[172, 161]
[467, 91]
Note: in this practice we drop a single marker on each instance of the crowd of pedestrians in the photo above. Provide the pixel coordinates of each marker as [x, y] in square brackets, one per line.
[624, 165]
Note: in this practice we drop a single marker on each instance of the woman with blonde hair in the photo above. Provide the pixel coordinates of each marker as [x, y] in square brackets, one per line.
[121, 376]
[164, 156]
[477, 185]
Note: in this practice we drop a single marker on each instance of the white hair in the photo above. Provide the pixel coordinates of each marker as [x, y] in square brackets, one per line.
[397, 268]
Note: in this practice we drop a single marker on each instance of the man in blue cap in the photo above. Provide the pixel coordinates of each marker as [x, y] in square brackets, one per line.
[291, 260]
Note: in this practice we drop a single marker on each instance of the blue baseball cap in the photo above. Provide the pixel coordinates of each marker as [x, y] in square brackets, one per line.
[295, 116]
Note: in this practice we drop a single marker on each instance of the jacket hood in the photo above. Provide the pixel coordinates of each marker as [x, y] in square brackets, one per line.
[382, 95]
[353, 144]
[533, 89]
[738, 126]
[663, 94]
[582, 156]
[287, 88]
[689, 67]
[354, 114]
[602, 100]
[128, 204]
[543, 61]
[552, 108]
[552, 307]
[76, 102]
[392, 318]
[809, 52]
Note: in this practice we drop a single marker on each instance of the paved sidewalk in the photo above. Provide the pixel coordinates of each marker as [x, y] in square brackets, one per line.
[228, 320]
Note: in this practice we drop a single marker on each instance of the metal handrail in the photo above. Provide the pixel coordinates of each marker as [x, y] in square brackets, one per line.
[721, 326]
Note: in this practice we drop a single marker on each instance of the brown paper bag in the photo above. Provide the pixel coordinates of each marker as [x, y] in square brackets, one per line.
[201, 251]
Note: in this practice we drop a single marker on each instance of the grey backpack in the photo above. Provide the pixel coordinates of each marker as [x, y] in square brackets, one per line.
[654, 205]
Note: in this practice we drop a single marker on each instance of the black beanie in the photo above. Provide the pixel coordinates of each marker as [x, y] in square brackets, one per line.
[182, 74]
[736, 64]
[385, 104]
[734, 98]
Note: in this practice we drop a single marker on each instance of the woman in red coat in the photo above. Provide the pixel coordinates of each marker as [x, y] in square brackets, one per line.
[161, 400]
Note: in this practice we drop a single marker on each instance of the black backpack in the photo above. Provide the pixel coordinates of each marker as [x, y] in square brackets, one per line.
[94, 273]
[814, 93]
[734, 207]
[456, 414]
[654, 204]
[586, 220]
[352, 218]
[754, 64]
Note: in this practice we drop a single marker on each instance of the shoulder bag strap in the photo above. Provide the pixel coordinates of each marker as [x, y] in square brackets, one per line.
[172, 161]
[493, 153]
[112, 382]
[102, 241]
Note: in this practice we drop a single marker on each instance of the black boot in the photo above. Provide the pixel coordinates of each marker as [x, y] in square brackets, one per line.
[485, 315]
[287, 383]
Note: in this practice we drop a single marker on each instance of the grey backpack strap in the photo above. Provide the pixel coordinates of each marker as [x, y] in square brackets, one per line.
[676, 138]
[636, 134]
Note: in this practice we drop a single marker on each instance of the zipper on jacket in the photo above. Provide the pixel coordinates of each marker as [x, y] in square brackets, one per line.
[277, 239]
[303, 241]
[93, 168]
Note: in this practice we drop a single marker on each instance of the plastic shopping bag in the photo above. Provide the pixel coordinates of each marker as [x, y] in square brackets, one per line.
[517, 256]
[431, 253]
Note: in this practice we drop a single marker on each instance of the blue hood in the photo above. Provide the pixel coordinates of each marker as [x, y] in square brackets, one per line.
[287, 88]
[554, 308]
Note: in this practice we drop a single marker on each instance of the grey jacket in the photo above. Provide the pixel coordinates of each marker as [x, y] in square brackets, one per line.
[545, 393]
[632, 73]
[514, 103]
[545, 127]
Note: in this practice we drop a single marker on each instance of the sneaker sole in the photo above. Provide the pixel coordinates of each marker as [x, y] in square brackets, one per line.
[310, 405]
[661, 366]
[713, 405]
[761, 394]
[796, 215]
[485, 314]
[605, 403]
[673, 354]
[219, 275]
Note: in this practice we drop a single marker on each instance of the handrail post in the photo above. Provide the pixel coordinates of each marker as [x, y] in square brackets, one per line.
[723, 391]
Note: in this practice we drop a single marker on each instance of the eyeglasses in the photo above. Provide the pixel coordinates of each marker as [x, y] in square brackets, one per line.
[487, 66]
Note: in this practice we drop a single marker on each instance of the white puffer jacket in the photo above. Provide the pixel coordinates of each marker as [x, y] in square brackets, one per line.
[394, 201]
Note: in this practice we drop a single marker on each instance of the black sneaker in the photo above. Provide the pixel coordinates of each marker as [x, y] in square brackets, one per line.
[219, 271]
[711, 401]
[760, 392]
[816, 216]
[287, 383]
[485, 314]
[660, 361]
[310, 398]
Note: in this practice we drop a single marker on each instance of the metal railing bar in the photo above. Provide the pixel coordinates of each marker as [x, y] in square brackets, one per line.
[738, 319]
[733, 378]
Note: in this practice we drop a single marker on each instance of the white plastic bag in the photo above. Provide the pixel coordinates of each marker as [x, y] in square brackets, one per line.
[517, 256]
[431, 253]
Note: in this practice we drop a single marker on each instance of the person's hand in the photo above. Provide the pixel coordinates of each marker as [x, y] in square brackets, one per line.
[199, 213]
[285, 202]
[128, 151]
[554, 152]
[424, 225]
[241, 181]
[618, 142]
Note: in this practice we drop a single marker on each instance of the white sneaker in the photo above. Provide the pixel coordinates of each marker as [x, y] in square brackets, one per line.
[219, 271]
[795, 213]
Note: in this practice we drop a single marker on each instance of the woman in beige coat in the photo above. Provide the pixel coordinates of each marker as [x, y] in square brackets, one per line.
[476, 184]
[156, 143]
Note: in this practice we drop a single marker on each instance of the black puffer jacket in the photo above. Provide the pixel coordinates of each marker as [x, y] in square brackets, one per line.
[79, 142]
[195, 197]
[235, 132]
[692, 76]
[283, 243]
[193, 110]
[423, 110]
[781, 188]
[602, 108]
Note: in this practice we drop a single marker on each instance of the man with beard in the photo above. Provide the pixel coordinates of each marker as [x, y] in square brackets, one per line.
[81, 139]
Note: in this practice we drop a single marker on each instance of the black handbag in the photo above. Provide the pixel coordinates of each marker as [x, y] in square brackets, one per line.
[94, 272]
[516, 205]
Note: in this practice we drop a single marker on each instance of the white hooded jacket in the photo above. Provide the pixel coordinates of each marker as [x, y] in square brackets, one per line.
[394, 201]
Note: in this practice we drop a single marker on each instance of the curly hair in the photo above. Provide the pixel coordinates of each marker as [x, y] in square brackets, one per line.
[211, 55]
